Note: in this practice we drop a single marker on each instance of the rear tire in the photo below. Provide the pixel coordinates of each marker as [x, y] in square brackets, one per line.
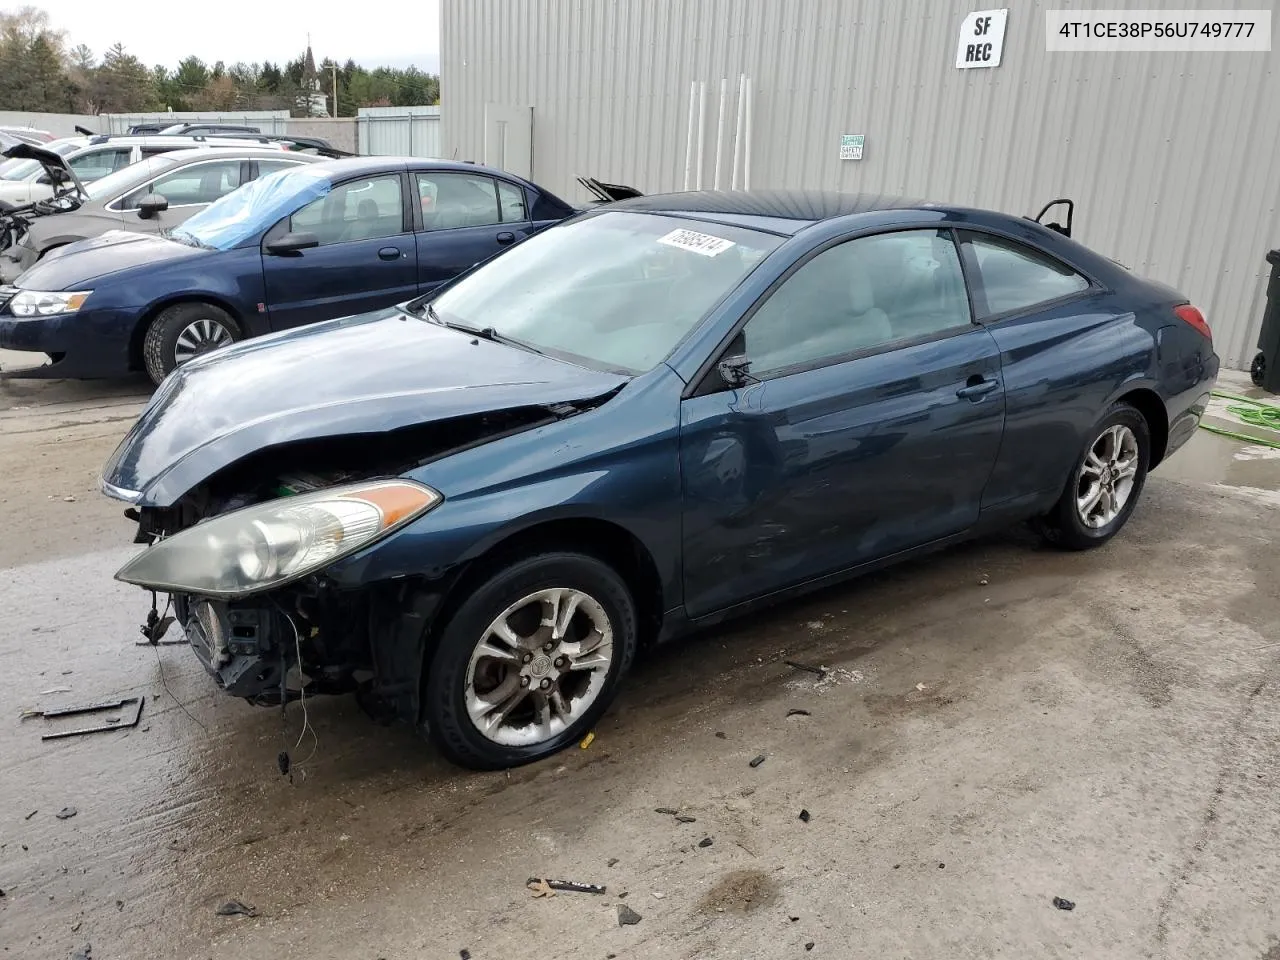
[1105, 483]
[1258, 369]
[487, 711]
[184, 331]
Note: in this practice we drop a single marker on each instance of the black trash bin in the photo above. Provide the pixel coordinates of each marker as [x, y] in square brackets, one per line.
[1266, 365]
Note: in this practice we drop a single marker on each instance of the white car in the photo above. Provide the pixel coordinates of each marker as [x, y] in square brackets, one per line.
[26, 181]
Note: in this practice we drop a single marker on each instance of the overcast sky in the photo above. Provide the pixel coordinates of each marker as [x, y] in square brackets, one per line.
[393, 33]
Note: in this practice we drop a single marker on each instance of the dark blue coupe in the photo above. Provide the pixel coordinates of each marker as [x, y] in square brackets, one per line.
[474, 508]
[312, 243]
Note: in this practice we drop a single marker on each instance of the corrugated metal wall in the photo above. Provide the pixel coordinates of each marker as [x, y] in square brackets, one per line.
[1170, 157]
[400, 131]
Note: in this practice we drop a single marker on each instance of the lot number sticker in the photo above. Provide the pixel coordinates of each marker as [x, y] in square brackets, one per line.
[981, 39]
[695, 242]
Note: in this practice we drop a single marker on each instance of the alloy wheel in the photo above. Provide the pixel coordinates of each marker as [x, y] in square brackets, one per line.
[1107, 476]
[538, 667]
[200, 336]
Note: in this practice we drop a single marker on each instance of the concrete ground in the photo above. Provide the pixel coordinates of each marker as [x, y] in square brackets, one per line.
[1002, 724]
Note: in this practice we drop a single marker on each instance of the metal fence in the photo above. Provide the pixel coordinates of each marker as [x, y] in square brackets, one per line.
[399, 131]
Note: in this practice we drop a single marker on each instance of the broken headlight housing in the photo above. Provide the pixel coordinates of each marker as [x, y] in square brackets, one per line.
[266, 545]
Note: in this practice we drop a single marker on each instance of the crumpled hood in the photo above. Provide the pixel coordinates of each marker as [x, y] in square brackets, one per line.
[84, 261]
[364, 374]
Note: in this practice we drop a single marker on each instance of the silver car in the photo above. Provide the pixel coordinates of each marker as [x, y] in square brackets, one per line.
[147, 197]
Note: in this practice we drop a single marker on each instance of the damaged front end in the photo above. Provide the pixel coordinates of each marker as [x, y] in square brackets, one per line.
[243, 557]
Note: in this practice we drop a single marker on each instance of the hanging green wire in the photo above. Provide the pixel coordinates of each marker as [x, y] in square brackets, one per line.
[1256, 414]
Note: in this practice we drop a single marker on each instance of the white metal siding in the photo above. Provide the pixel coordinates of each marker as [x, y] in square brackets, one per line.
[1170, 157]
[400, 131]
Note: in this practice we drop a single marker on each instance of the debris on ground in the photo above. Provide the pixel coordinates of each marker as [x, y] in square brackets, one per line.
[1063, 904]
[942, 866]
[746, 792]
[666, 811]
[983, 582]
[124, 721]
[68, 499]
[798, 712]
[920, 687]
[66, 813]
[572, 886]
[84, 953]
[31, 814]
[809, 945]
[804, 816]
[757, 760]
[52, 690]
[705, 842]
[613, 862]
[806, 667]
[720, 735]
[658, 895]
[587, 740]
[541, 888]
[627, 917]
[464, 954]
[793, 919]
[685, 818]
[75, 927]
[234, 908]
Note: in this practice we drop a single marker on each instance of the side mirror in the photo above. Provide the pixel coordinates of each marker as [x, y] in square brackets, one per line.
[292, 244]
[152, 205]
[735, 371]
[44, 179]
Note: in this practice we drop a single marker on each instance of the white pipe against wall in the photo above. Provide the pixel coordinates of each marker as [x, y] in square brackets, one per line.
[688, 142]
[724, 107]
[737, 134]
[702, 131]
[746, 145]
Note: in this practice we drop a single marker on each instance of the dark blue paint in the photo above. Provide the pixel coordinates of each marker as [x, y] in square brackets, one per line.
[734, 495]
[133, 276]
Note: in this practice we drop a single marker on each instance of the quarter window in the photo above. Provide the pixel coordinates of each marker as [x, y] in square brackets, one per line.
[360, 210]
[451, 200]
[1015, 277]
[860, 295]
[511, 200]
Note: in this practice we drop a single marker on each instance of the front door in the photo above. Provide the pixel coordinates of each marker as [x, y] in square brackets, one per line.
[366, 258]
[466, 218]
[872, 426]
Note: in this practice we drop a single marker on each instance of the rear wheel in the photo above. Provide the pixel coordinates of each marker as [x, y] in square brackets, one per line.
[529, 661]
[183, 332]
[1105, 483]
[1258, 369]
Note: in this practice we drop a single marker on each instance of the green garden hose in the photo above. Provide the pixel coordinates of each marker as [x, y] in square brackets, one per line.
[1256, 414]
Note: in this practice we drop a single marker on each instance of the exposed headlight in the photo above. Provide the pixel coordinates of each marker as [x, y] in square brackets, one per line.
[32, 303]
[263, 546]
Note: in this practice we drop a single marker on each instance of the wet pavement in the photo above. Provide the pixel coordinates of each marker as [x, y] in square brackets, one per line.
[1099, 727]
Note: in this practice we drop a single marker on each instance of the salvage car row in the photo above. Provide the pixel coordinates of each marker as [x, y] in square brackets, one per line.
[481, 447]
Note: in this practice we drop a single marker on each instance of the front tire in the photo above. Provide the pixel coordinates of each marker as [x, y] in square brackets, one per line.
[1258, 369]
[1105, 482]
[183, 332]
[530, 661]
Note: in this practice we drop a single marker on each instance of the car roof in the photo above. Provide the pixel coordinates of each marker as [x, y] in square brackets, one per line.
[255, 152]
[355, 166]
[779, 211]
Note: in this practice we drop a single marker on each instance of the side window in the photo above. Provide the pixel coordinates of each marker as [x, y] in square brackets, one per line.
[860, 295]
[511, 200]
[97, 164]
[451, 200]
[198, 183]
[1015, 277]
[268, 167]
[359, 210]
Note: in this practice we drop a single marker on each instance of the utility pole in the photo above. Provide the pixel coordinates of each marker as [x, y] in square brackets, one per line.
[335, 90]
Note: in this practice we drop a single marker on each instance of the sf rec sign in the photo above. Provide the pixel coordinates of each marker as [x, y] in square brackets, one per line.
[981, 39]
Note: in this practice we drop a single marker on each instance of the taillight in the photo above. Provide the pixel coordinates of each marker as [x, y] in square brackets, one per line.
[1191, 315]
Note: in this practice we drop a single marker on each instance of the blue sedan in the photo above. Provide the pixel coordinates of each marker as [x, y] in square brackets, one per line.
[302, 245]
[474, 508]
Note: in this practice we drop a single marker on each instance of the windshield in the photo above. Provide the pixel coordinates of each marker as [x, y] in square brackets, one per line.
[114, 184]
[25, 169]
[618, 290]
[253, 208]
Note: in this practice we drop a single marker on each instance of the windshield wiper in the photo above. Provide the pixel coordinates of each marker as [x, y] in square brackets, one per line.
[484, 333]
